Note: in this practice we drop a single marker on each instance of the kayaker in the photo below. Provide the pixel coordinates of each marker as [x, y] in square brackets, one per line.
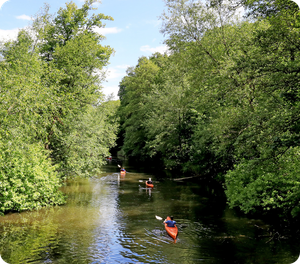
[170, 223]
[122, 169]
[149, 181]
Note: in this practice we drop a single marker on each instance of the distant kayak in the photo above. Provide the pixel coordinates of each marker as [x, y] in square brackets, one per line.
[149, 185]
[172, 231]
[122, 172]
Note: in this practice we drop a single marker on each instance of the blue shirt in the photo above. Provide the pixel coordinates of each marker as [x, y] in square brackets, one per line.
[170, 223]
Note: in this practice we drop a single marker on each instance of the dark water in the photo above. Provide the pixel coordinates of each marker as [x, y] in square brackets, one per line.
[111, 219]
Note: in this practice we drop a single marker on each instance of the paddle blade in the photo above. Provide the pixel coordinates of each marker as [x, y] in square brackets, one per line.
[158, 217]
[119, 166]
[141, 181]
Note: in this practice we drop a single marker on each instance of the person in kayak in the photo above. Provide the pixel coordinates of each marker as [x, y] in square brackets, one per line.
[170, 223]
[149, 181]
[122, 169]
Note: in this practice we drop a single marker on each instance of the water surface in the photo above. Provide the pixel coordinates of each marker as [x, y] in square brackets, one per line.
[111, 219]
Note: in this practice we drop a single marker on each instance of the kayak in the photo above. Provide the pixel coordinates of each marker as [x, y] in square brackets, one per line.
[172, 231]
[149, 185]
[122, 172]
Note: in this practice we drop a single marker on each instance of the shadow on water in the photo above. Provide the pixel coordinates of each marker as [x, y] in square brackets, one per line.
[111, 219]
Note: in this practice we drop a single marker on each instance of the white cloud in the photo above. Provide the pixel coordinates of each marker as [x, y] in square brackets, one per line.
[24, 17]
[8, 34]
[107, 90]
[115, 73]
[112, 75]
[2, 2]
[105, 31]
[161, 49]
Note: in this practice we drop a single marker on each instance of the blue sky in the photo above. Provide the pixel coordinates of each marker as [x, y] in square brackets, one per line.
[133, 33]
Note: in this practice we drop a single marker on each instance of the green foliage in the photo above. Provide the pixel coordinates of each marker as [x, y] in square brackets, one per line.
[82, 150]
[54, 121]
[27, 103]
[170, 118]
[132, 112]
[225, 103]
[28, 179]
[267, 184]
[267, 9]
[71, 46]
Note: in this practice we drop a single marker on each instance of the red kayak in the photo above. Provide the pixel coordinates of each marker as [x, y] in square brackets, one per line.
[122, 172]
[150, 185]
[172, 231]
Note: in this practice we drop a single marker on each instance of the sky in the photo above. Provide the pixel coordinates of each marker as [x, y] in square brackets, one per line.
[133, 33]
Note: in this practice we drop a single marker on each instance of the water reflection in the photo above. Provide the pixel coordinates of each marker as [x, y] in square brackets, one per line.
[111, 219]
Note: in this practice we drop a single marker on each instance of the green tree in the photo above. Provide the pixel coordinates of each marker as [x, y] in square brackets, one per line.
[93, 134]
[134, 86]
[205, 39]
[53, 115]
[70, 45]
[28, 178]
[170, 117]
[272, 133]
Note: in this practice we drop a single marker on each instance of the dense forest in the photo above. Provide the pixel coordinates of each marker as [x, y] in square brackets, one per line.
[54, 118]
[223, 103]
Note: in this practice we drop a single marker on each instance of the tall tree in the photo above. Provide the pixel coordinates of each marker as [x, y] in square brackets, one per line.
[52, 107]
[28, 178]
[134, 86]
[170, 117]
[274, 128]
[70, 44]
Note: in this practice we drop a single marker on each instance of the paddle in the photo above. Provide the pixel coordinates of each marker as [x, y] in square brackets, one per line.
[147, 180]
[158, 217]
[121, 167]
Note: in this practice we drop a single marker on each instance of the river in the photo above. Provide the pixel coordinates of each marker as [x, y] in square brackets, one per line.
[112, 219]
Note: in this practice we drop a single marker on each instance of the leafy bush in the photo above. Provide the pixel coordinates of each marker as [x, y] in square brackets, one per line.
[266, 184]
[27, 178]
